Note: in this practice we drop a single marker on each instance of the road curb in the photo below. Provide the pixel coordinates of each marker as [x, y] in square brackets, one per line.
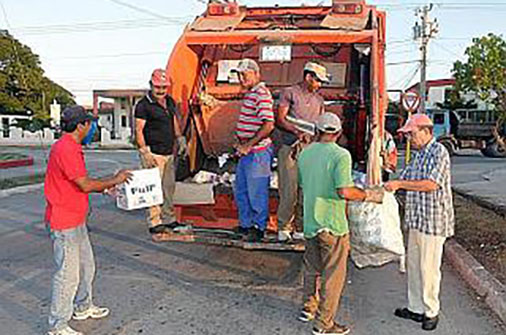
[11, 163]
[20, 189]
[483, 202]
[484, 283]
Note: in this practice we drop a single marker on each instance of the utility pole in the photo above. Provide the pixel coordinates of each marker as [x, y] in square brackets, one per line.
[424, 32]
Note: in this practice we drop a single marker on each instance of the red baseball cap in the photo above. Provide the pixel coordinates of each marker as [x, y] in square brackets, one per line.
[159, 78]
[415, 121]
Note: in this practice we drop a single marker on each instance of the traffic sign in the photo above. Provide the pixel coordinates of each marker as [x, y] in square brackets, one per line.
[410, 101]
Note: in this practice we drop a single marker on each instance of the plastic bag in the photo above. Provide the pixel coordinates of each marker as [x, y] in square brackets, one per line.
[376, 235]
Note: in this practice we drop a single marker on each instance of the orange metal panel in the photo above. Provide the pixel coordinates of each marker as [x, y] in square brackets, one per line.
[223, 214]
[253, 37]
[269, 11]
[378, 96]
[182, 70]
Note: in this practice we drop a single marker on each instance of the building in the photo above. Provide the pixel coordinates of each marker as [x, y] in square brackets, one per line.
[116, 115]
[439, 91]
[8, 120]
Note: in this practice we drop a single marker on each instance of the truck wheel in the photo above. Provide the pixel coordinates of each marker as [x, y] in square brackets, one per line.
[493, 149]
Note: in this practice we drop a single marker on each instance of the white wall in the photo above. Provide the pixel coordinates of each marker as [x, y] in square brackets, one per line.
[11, 120]
[437, 95]
[18, 136]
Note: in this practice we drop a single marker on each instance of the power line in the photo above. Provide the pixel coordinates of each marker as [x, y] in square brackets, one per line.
[400, 41]
[98, 26]
[447, 50]
[132, 54]
[406, 83]
[445, 4]
[5, 15]
[400, 52]
[404, 62]
[139, 9]
[410, 75]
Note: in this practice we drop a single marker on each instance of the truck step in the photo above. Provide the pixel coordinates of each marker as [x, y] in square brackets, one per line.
[224, 238]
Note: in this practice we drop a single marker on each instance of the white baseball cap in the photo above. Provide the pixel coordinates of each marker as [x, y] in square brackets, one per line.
[319, 70]
[329, 123]
[247, 64]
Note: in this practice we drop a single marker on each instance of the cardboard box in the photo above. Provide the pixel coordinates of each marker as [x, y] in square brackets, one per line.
[145, 190]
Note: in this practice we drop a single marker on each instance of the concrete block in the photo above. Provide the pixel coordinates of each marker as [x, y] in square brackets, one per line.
[48, 134]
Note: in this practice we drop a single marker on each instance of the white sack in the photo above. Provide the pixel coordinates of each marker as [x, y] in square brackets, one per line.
[376, 235]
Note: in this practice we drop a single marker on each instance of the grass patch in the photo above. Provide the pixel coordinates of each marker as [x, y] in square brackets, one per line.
[483, 233]
[21, 181]
[8, 156]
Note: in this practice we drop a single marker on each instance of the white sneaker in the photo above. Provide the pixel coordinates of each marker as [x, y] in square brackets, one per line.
[284, 235]
[93, 312]
[64, 331]
[298, 236]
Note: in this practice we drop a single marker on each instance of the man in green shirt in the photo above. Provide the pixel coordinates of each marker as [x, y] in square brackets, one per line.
[326, 182]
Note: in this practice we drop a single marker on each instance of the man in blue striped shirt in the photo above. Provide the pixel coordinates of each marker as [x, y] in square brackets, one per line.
[429, 218]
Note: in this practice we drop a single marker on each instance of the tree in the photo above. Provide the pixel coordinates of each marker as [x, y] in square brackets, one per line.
[484, 73]
[23, 85]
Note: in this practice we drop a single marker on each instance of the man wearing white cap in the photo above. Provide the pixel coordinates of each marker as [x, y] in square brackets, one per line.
[429, 217]
[325, 179]
[301, 102]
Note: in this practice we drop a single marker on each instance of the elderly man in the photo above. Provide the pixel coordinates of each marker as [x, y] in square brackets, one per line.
[66, 189]
[301, 102]
[429, 217]
[156, 131]
[256, 122]
[326, 182]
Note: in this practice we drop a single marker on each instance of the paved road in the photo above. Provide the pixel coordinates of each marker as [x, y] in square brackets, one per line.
[481, 176]
[175, 288]
[194, 289]
[99, 162]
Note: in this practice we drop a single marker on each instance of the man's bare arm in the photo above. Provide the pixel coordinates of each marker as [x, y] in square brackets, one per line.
[283, 123]
[423, 185]
[262, 133]
[351, 193]
[89, 185]
[139, 133]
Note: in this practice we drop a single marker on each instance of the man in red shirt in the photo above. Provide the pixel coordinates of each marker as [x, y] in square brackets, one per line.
[66, 190]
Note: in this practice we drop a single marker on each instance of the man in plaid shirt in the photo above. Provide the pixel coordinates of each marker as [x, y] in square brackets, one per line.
[429, 218]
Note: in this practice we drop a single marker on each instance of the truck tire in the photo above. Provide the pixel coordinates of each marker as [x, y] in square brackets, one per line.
[494, 150]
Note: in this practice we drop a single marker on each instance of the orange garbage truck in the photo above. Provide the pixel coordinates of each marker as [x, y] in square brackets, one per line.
[347, 37]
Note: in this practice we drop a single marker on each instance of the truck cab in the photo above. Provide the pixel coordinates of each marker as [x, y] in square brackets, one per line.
[466, 129]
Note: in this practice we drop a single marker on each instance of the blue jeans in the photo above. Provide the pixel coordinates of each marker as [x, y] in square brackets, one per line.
[73, 278]
[253, 175]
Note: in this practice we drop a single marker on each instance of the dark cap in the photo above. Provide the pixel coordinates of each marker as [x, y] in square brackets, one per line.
[76, 114]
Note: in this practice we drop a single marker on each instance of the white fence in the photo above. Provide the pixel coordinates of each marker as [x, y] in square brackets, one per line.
[18, 136]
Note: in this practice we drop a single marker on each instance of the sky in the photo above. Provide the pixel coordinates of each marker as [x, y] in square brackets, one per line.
[107, 44]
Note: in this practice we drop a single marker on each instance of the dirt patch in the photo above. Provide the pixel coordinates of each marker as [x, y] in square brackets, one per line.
[483, 233]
